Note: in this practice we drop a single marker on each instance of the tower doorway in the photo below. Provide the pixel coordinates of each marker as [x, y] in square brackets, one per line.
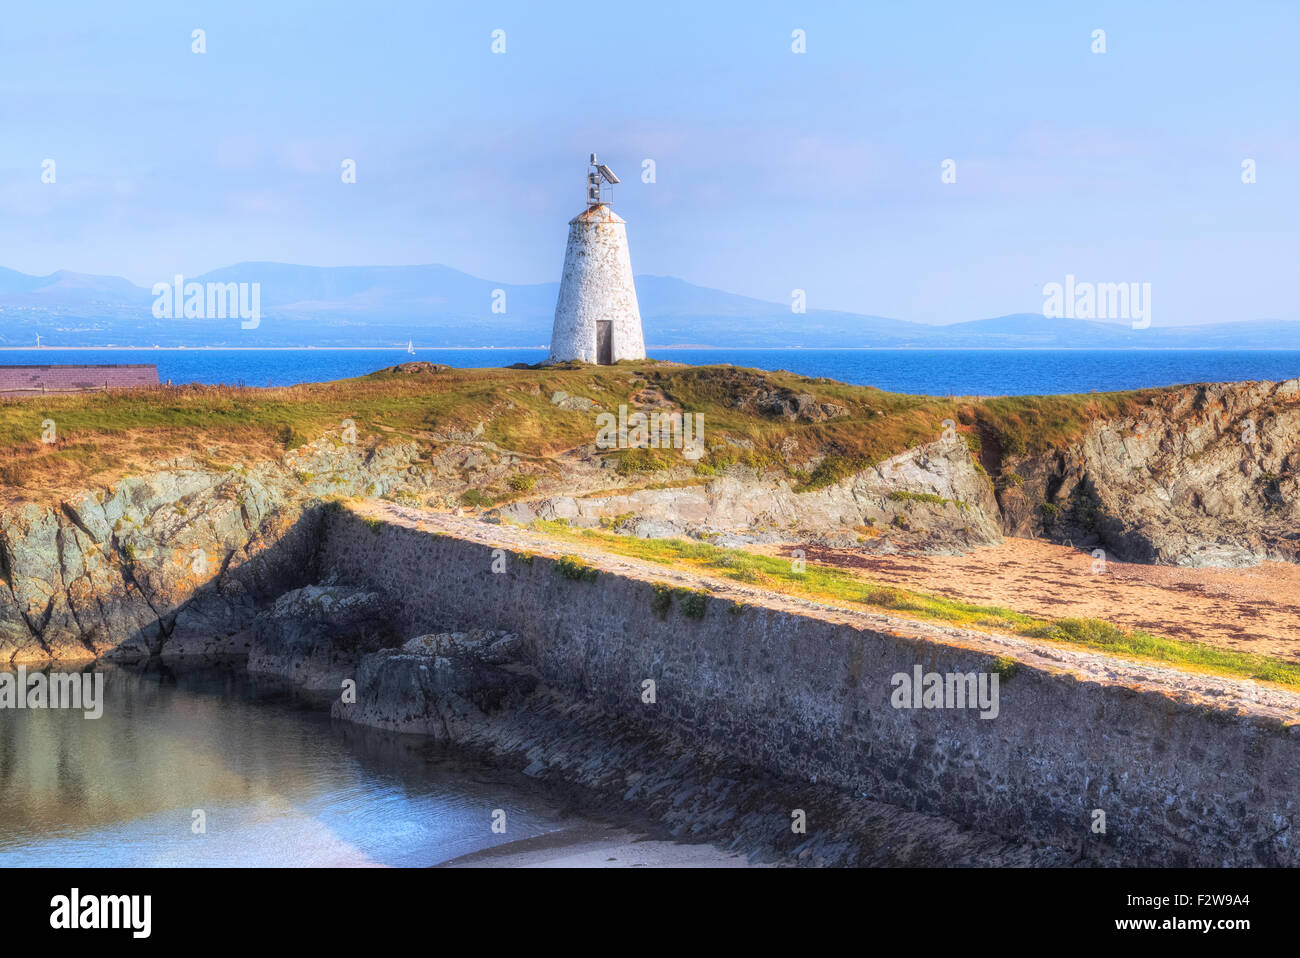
[605, 342]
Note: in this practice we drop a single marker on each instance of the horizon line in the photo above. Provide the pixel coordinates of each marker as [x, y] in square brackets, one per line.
[1119, 324]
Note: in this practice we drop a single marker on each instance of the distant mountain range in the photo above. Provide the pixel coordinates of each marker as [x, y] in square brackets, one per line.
[440, 306]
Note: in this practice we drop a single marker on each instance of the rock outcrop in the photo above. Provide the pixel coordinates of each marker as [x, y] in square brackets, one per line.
[931, 498]
[316, 635]
[1208, 476]
[177, 562]
[438, 685]
[183, 552]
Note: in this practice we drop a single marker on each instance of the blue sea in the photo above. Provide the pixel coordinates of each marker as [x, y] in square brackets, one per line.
[990, 372]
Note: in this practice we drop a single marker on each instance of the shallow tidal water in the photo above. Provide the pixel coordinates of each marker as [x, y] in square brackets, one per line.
[279, 783]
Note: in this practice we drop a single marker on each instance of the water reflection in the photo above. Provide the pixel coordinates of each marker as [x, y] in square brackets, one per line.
[279, 783]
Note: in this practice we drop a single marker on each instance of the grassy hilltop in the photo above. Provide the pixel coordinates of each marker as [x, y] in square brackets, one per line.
[540, 414]
[103, 435]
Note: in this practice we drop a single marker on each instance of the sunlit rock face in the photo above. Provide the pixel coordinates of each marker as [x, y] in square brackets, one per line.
[179, 560]
[1208, 475]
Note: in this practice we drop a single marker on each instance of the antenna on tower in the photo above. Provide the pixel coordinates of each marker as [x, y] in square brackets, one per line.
[598, 174]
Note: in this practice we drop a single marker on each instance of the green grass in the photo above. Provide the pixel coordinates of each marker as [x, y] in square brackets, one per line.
[571, 567]
[634, 461]
[1097, 634]
[662, 599]
[692, 602]
[834, 468]
[902, 495]
[1004, 667]
[1037, 424]
[102, 434]
[477, 499]
[777, 574]
[522, 482]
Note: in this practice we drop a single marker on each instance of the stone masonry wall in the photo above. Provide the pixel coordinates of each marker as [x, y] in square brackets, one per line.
[806, 695]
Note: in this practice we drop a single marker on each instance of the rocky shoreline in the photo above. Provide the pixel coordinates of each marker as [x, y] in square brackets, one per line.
[187, 562]
[475, 692]
[179, 558]
[607, 766]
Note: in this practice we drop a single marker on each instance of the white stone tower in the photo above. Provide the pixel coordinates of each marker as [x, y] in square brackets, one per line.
[596, 316]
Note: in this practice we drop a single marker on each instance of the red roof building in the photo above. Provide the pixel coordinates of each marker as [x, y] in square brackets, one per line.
[52, 380]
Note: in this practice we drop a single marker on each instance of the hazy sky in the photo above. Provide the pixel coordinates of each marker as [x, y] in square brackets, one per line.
[775, 170]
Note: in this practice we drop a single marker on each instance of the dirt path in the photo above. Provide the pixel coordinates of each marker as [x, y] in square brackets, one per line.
[1247, 610]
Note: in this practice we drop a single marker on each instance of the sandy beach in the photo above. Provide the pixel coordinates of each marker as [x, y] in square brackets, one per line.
[1254, 609]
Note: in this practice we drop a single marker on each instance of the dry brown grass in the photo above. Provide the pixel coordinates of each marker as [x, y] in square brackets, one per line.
[107, 434]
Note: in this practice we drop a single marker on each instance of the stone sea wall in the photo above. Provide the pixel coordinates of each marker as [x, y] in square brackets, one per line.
[804, 694]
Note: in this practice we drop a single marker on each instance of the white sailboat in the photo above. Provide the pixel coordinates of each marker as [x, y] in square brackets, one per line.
[410, 346]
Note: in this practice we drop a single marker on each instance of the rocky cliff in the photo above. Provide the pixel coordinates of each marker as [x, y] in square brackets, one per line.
[930, 498]
[178, 560]
[181, 555]
[1206, 475]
